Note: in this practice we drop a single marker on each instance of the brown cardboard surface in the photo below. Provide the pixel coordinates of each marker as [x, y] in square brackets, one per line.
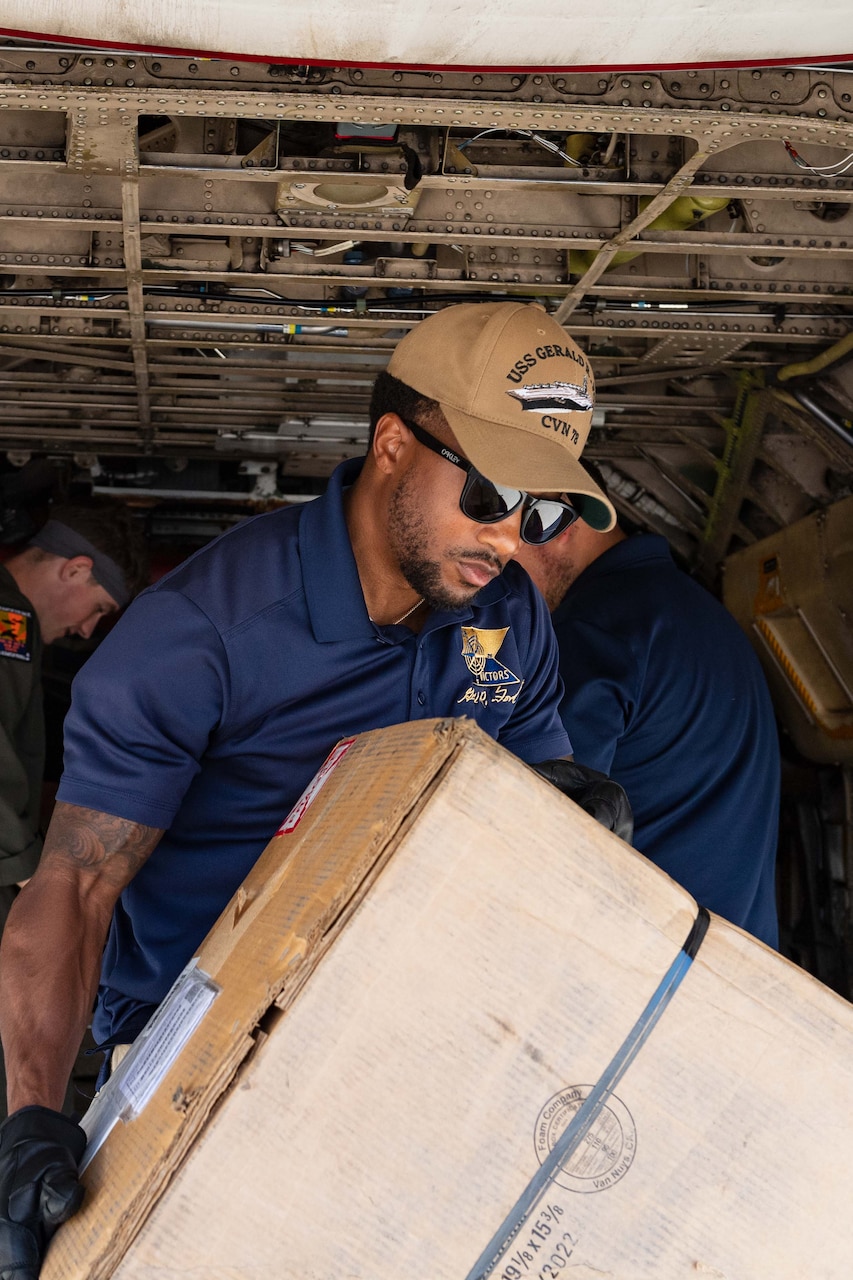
[260, 950]
[391, 1117]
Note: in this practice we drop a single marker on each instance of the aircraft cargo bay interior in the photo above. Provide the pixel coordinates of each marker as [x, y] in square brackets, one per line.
[205, 262]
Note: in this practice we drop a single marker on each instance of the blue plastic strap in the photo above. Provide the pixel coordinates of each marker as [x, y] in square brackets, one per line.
[576, 1131]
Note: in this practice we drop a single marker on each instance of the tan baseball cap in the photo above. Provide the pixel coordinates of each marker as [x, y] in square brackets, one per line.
[517, 393]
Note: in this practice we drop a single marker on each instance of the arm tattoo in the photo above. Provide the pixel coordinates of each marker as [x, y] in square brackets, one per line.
[89, 840]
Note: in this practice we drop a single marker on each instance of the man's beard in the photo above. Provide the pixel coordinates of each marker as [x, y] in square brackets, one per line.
[559, 576]
[552, 570]
[408, 534]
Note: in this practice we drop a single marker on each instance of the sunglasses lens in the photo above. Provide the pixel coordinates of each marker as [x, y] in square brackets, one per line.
[486, 502]
[543, 520]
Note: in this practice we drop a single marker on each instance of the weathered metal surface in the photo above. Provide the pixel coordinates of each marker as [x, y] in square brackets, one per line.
[212, 259]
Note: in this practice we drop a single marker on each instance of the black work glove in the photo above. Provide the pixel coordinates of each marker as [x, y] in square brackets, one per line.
[39, 1154]
[596, 794]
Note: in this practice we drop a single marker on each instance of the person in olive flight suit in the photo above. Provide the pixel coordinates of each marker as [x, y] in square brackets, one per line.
[83, 564]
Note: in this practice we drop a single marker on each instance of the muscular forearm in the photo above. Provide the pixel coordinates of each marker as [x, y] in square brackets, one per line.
[52, 946]
[48, 978]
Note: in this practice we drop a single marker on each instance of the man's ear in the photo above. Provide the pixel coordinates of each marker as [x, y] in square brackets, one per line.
[391, 441]
[76, 568]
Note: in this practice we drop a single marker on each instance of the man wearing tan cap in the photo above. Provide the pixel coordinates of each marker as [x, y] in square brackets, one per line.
[391, 598]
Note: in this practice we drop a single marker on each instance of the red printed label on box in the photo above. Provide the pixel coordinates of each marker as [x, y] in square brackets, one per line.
[316, 785]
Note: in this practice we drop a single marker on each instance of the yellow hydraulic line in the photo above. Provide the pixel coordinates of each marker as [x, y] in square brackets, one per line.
[827, 357]
[684, 212]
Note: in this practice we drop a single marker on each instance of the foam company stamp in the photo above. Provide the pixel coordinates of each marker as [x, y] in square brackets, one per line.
[605, 1153]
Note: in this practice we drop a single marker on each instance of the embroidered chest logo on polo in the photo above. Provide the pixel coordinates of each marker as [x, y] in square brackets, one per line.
[15, 633]
[493, 682]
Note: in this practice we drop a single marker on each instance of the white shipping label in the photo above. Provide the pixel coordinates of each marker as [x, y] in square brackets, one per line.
[140, 1072]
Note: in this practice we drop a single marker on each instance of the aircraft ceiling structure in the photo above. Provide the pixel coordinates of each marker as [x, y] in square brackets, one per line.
[205, 262]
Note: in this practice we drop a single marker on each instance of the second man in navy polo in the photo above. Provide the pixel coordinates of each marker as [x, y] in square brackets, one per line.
[198, 722]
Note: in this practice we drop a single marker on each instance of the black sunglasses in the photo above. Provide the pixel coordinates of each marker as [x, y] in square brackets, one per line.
[487, 503]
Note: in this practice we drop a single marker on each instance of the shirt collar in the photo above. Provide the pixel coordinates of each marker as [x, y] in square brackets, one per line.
[330, 576]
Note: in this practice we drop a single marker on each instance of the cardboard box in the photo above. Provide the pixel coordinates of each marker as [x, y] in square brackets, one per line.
[440, 969]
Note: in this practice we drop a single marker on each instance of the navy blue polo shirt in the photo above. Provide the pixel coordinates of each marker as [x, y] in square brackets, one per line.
[217, 696]
[665, 694]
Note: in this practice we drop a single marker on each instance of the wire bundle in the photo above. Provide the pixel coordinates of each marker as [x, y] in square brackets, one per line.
[823, 170]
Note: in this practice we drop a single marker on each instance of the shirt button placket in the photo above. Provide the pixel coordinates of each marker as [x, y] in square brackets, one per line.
[419, 674]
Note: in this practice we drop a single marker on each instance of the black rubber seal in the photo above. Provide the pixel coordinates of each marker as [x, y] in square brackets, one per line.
[696, 936]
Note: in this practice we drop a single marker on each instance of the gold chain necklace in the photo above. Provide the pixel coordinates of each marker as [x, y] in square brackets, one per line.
[408, 612]
[406, 615]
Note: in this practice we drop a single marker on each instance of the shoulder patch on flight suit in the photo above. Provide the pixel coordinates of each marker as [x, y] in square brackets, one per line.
[15, 633]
